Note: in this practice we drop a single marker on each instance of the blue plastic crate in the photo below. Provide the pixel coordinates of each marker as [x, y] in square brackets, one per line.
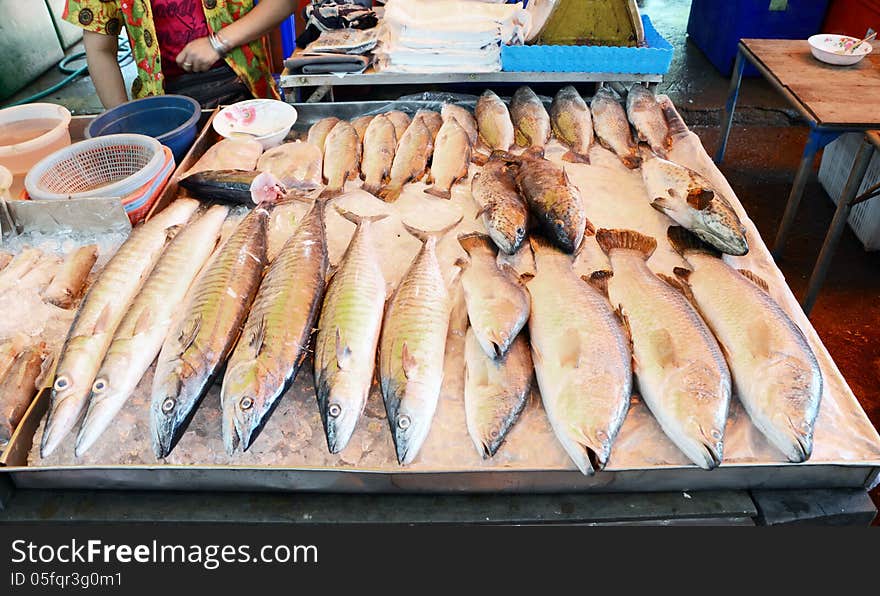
[716, 27]
[655, 58]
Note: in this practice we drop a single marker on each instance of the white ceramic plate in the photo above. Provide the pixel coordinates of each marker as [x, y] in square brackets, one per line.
[825, 47]
[265, 120]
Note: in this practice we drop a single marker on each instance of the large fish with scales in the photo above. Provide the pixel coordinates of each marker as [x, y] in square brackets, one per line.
[572, 124]
[493, 122]
[647, 116]
[612, 128]
[452, 158]
[530, 119]
[504, 213]
[380, 144]
[410, 159]
[342, 157]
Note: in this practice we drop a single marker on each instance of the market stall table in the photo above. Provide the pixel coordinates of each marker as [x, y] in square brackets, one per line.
[833, 100]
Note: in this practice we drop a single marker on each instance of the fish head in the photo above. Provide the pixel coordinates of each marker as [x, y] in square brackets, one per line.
[340, 407]
[109, 392]
[244, 406]
[719, 226]
[698, 427]
[70, 391]
[171, 407]
[410, 419]
[792, 406]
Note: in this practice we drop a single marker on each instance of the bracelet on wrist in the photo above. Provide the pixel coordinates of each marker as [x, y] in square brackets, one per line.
[220, 45]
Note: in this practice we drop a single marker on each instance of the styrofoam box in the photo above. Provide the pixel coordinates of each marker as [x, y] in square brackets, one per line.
[834, 169]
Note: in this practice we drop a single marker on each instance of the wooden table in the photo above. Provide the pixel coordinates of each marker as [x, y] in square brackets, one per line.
[832, 99]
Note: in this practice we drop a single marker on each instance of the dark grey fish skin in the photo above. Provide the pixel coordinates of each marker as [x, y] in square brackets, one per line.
[225, 186]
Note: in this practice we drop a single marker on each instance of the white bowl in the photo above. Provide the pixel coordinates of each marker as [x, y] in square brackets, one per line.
[265, 120]
[826, 45]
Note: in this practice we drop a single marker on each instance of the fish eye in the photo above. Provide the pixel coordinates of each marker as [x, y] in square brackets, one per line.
[246, 403]
[520, 231]
[716, 434]
[168, 405]
[334, 410]
[403, 422]
[61, 383]
[99, 386]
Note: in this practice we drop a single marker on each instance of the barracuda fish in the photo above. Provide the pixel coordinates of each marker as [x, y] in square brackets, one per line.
[554, 201]
[139, 337]
[348, 333]
[495, 391]
[646, 115]
[275, 338]
[504, 213]
[400, 120]
[530, 119]
[572, 124]
[202, 339]
[497, 303]
[452, 158]
[380, 144]
[99, 315]
[413, 346]
[493, 122]
[775, 373]
[612, 128]
[319, 130]
[342, 157]
[682, 375]
[410, 159]
[691, 201]
[582, 358]
[464, 118]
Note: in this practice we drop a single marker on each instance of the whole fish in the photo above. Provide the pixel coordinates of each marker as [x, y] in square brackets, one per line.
[68, 283]
[342, 157]
[413, 346]
[582, 357]
[775, 373]
[495, 391]
[554, 201]
[139, 337]
[319, 130]
[361, 124]
[493, 122]
[691, 201]
[297, 165]
[646, 115]
[348, 333]
[99, 315]
[572, 124]
[464, 118]
[452, 158]
[227, 186]
[227, 154]
[380, 143]
[612, 128]
[400, 120]
[410, 159]
[18, 267]
[681, 371]
[18, 389]
[201, 340]
[433, 120]
[504, 213]
[275, 338]
[497, 303]
[530, 119]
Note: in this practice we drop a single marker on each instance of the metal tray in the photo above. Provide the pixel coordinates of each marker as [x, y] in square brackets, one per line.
[847, 452]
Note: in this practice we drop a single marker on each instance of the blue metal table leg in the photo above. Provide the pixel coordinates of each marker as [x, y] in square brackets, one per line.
[730, 106]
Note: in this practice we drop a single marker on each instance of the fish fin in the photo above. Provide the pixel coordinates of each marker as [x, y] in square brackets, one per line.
[475, 240]
[684, 241]
[143, 321]
[599, 280]
[627, 240]
[662, 348]
[188, 336]
[429, 179]
[483, 210]
[373, 189]
[682, 273]
[102, 323]
[624, 323]
[631, 161]
[439, 192]
[358, 219]
[700, 198]
[259, 335]
[512, 273]
[425, 235]
[679, 285]
[409, 362]
[760, 338]
[754, 278]
[331, 271]
[462, 263]
[526, 277]
[572, 157]
[570, 350]
[171, 231]
[537, 357]
[520, 138]
[662, 204]
[331, 193]
[343, 352]
[479, 158]
[389, 194]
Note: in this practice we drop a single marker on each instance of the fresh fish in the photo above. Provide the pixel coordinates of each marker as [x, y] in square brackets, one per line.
[297, 165]
[452, 158]
[691, 201]
[410, 159]
[400, 120]
[504, 213]
[646, 115]
[775, 373]
[19, 267]
[275, 338]
[497, 303]
[18, 389]
[493, 122]
[572, 124]
[139, 336]
[342, 157]
[582, 356]
[99, 315]
[319, 130]
[226, 186]
[413, 346]
[229, 154]
[464, 118]
[530, 119]
[380, 143]
[612, 128]
[41, 274]
[5, 258]
[68, 283]
[433, 120]
[554, 201]
[201, 339]
[681, 371]
[495, 391]
[361, 124]
[348, 333]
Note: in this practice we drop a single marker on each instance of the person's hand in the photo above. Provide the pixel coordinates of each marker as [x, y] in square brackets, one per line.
[198, 56]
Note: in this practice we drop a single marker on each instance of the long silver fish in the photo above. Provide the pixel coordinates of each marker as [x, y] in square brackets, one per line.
[531, 122]
[505, 214]
[202, 339]
[452, 158]
[413, 346]
[495, 391]
[646, 115]
[682, 375]
[139, 337]
[582, 358]
[497, 303]
[99, 315]
[692, 202]
[775, 373]
[348, 333]
[612, 127]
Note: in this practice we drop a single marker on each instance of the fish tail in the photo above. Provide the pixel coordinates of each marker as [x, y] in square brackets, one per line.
[626, 240]
[475, 240]
[572, 157]
[683, 241]
[330, 193]
[425, 235]
[755, 279]
[631, 161]
[359, 219]
[439, 192]
[389, 194]
[677, 127]
[373, 189]
[479, 158]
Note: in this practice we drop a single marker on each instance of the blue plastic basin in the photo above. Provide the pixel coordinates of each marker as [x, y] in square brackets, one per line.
[172, 119]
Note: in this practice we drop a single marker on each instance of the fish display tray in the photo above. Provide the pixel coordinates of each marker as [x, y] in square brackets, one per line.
[291, 452]
[654, 58]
